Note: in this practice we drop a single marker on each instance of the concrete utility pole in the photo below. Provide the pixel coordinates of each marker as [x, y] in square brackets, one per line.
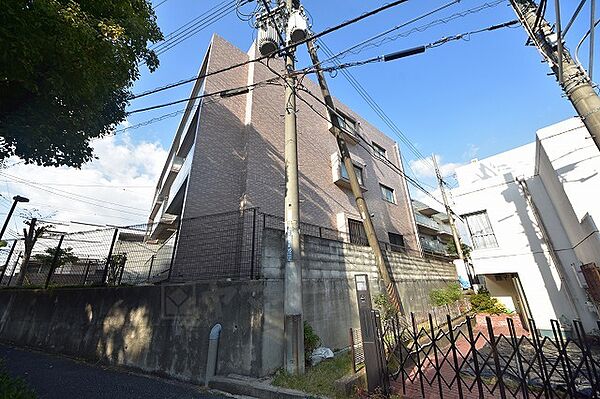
[292, 304]
[571, 76]
[361, 204]
[455, 236]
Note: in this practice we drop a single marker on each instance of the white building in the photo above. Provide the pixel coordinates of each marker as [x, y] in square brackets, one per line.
[530, 215]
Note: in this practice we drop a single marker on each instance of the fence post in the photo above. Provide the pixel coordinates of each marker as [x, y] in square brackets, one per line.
[253, 253]
[87, 271]
[475, 359]
[108, 258]
[122, 263]
[435, 355]
[454, 355]
[496, 357]
[540, 358]
[55, 260]
[14, 268]
[587, 357]
[150, 269]
[177, 233]
[12, 248]
[562, 354]
[516, 349]
[417, 351]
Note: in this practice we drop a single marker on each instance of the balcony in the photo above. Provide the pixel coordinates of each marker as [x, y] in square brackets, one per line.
[435, 246]
[432, 226]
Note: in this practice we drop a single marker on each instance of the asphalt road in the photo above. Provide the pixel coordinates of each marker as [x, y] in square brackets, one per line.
[54, 377]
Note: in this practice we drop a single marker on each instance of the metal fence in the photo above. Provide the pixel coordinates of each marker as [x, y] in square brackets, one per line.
[465, 360]
[218, 246]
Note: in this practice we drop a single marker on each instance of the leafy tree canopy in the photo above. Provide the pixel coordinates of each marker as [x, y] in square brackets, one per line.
[65, 256]
[66, 70]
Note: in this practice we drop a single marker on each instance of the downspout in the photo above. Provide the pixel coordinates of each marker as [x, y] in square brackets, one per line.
[546, 238]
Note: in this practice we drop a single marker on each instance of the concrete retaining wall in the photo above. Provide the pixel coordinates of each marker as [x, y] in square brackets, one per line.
[142, 327]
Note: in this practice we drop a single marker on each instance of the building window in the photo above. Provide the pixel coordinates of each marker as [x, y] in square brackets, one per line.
[396, 242]
[357, 169]
[347, 124]
[379, 151]
[357, 232]
[387, 194]
[481, 231]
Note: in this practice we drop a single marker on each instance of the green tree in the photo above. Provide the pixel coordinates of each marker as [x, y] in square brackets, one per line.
[451, 247]
[66, 70]
[65, 256]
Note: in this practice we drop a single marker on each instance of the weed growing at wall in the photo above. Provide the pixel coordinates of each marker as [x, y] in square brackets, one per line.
[311, 341]
[385, 306]
[446, 295]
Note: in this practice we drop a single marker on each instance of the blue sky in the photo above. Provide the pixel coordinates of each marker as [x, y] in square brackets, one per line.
[462, 100]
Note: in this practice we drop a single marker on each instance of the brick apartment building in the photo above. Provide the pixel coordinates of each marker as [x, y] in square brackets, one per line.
[227, 155]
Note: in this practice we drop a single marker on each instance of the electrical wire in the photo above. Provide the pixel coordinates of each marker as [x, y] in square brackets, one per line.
[466, 36]
[221, 93]
[368, 43]
[73, 196]
[284, 49]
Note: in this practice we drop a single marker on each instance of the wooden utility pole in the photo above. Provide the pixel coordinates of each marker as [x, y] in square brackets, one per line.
[455, 235]
[361, 204]
[572, 78]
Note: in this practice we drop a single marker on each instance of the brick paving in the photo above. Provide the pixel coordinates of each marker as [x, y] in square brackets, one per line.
[449, 386]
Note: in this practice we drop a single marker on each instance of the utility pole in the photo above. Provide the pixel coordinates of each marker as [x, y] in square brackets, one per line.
[361, 204]
[571, 76]
[292, 304]
[455, 236]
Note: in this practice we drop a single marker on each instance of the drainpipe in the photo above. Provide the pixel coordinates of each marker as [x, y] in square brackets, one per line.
[211, 359]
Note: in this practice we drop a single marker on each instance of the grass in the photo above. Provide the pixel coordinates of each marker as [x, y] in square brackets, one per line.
[13, 388]
[318, 380]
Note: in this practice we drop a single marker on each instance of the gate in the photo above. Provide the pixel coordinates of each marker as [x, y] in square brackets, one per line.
[491, 357]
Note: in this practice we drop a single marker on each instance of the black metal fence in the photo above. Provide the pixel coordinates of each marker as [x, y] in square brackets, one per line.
[461, 359]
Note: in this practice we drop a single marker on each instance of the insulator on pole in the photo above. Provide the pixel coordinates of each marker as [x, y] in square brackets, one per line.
[267, 40]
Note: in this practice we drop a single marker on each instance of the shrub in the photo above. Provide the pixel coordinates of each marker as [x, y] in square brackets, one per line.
[385, 306]
[311, 341]
[482, 302]
[446, 295]
[14, 388]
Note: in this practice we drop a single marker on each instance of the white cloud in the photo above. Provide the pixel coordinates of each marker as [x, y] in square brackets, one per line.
[119, 185]
[423, 168]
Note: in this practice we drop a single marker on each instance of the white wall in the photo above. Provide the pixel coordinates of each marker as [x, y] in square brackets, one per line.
[547, 277]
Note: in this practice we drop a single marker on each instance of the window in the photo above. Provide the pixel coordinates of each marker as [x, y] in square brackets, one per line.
[346, 123]
[357, 169]
[396, 242]
[357, 232]
[379, 151]
[387, 194]
[481, 231]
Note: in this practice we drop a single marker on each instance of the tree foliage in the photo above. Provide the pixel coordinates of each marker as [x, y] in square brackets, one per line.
[482, 302]
[65, 256]
[66, 70]
[451, 247]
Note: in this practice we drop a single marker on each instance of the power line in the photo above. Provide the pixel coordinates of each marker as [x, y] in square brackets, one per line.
[411, 51]
[74, 197]
[282, 50]
[367, 43]
[222, 93]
